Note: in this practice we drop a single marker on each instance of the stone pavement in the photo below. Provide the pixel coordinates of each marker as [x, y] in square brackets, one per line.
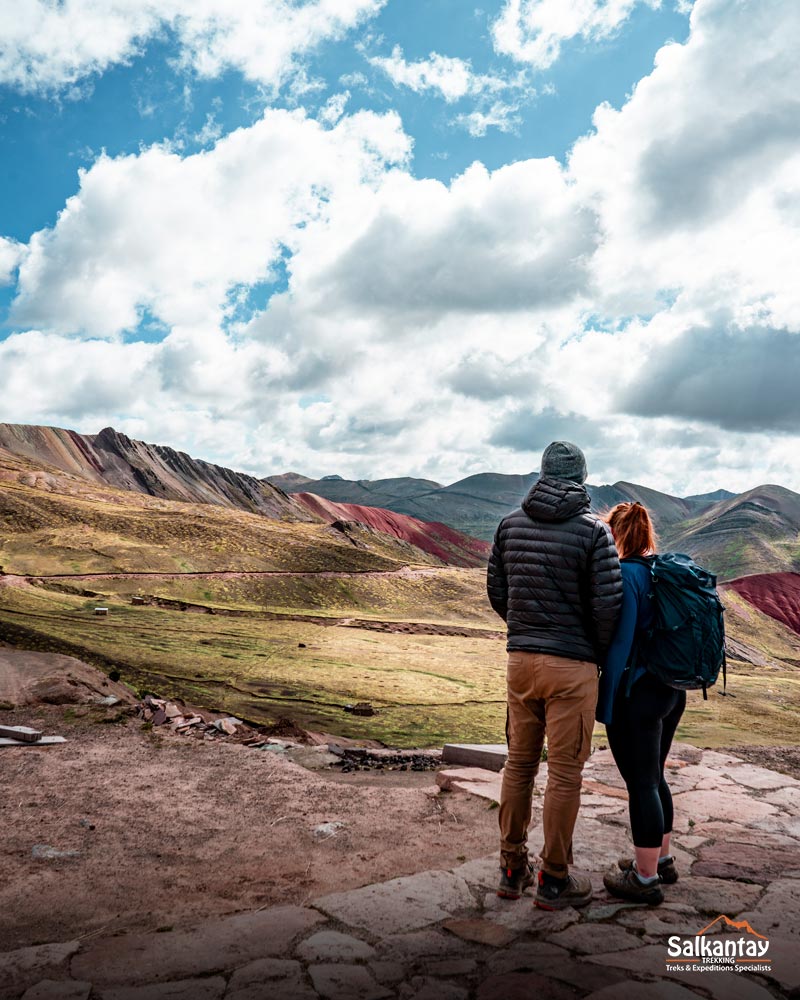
[444, 935]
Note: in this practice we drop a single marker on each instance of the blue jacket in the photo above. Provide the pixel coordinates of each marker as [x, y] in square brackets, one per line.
[636, 615]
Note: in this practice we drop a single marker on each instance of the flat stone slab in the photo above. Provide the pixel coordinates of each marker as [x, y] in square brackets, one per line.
[481, 931]
[58, 989]
[214, 946]
[435, 989]
[643, 991]
[331, 946]
[264, 969]
[26, 967]
[347, 982]
[715, 896]
[402, 904]
[523, 917]
[473, 780]
[725, 803]
[591, 939]
[759, 777]
[523, 986]
[482, 872]
[778, 911]
[490, 756]
[212, 988]
[745, 861]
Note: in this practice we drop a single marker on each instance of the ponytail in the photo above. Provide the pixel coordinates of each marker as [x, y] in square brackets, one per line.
[632, 529]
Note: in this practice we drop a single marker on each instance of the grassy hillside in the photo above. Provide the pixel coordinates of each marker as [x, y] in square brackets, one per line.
[755, 532]
[304, 647]
[57, 523]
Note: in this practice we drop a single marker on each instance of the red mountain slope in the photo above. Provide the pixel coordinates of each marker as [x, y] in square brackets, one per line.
[776, 594]
[445, 543]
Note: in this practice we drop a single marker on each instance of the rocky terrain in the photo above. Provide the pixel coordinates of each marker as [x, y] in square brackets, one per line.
[114, 459]
[239, 876]
[451, 546]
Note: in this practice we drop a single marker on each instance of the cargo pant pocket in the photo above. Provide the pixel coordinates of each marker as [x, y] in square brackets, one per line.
[583, 743]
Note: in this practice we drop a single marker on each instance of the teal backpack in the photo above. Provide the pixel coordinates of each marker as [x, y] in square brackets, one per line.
[685, 646]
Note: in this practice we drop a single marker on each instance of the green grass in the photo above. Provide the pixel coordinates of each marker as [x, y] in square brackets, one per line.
[427, 689]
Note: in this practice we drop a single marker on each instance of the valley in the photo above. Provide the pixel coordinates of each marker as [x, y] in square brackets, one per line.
[303, 614]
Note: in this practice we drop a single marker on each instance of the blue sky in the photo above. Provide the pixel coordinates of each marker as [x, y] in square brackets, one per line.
[336, 243]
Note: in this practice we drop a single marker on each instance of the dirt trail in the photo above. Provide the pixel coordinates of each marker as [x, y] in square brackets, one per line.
[407, 572]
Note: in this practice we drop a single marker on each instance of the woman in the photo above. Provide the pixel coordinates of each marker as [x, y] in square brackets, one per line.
[641, 715]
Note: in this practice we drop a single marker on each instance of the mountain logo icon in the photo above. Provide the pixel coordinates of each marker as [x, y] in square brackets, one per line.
[736, 925]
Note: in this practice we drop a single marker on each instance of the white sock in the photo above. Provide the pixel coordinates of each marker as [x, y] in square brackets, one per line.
[666, 857]
[646, 879]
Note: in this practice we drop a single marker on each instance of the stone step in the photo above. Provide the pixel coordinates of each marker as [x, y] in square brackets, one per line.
[491, 756]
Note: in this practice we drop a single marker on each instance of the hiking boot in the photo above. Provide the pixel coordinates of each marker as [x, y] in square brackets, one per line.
[627, 885]
[667, 872]
[558, 893]
[514, 881]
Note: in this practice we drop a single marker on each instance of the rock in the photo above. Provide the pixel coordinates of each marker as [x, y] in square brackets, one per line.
[423, 944]
[483, 872]
[26, 966]
[225, 943]
[451, 967]
[586, 977]
[435, 989]
[225, 726]
[523, 917]
[522, 986]
[264, 969]
[634, 990]
[473, 780]
[212, 988]
[388, 972]
[481, 931]
[759, 777]
[327, 830]
[778, 909]
[589, 939]
[159, 717]
[402, 904]
[346, 982]
[744, 861]
[331, 946]
[715, 896]
[44, 852]
[313, 758]
[61, 989]
[785, 959]
[528, 956]
[724, 804]
[785, 798]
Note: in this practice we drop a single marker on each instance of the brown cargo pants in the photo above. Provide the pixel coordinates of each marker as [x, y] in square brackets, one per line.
[557, 696]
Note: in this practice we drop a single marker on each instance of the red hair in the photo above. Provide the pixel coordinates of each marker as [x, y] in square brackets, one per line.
[632, 529]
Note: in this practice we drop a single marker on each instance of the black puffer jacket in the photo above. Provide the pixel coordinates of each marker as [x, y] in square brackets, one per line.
[554, 574]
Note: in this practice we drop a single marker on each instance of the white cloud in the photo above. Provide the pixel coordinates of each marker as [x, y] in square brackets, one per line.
[453, 78]
[504, 117]
[175, 235]
[49, 45]
[425, 325]
[532, 31]
[11, 254]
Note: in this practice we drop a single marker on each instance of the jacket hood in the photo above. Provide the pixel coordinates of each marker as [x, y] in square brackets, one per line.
[552, 499]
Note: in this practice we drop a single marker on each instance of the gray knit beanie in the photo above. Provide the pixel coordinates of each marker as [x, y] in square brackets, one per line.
[562, 460]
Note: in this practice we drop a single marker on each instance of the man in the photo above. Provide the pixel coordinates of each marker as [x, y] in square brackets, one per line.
[554, 576]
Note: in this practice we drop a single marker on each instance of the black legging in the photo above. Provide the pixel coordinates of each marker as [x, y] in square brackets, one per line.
[640, 736]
